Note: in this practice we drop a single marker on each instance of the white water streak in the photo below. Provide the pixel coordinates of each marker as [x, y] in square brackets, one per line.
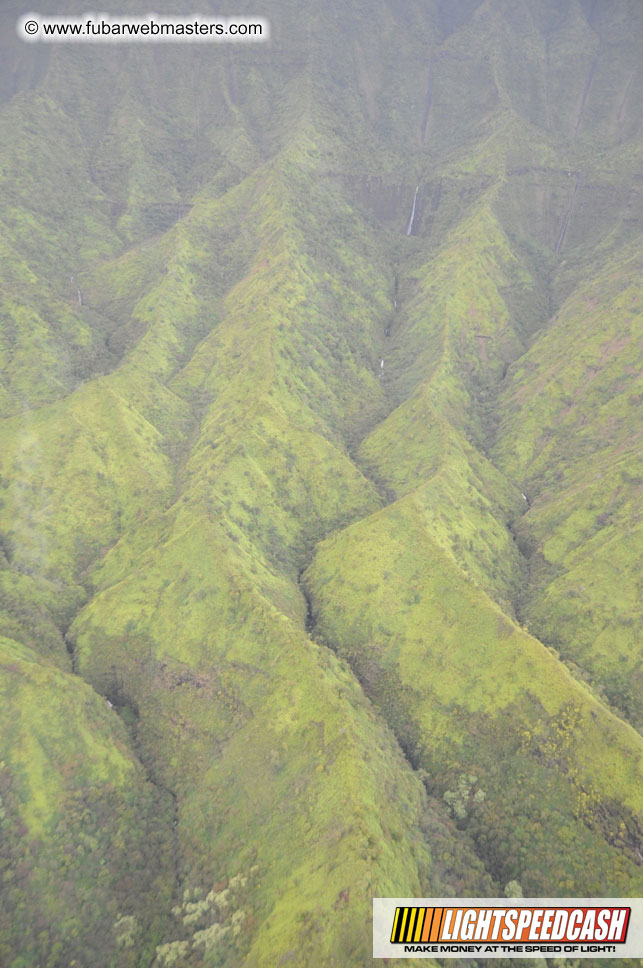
[409, 227]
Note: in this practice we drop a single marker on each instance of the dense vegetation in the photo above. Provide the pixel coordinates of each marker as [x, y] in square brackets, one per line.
[283, 628]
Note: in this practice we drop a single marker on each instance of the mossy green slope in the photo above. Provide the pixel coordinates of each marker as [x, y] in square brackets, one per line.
[470, 694]
[465, 689]
[217, 669]
[195, 627]
[86, 855]
[576, 448]
[449, 346]
[284, 777]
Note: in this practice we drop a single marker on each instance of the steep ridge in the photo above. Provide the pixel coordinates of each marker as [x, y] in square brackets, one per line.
[577, 451]
[208, 432]
[267, 474]
[86, 857]
[465, 689]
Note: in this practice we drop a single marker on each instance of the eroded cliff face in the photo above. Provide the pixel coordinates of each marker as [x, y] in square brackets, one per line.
[320, 477]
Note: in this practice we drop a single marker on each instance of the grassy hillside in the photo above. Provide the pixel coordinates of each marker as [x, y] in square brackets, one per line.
[576, 448]
[87, 853]
[319, 477]
[534, 768]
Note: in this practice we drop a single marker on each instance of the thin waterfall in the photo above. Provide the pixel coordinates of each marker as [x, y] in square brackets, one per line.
[409, 227]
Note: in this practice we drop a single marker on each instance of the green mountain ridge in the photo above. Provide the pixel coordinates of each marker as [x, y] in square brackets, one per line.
[319, 571]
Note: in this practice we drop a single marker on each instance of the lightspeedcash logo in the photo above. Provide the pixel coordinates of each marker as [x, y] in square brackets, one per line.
[502, 928]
